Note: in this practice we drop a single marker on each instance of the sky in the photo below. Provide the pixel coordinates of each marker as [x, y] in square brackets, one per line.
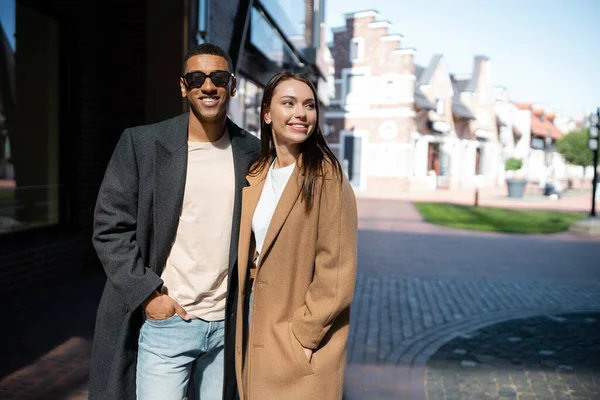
[544, 52]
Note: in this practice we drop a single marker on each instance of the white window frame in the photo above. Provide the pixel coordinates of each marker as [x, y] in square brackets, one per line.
[360, 49]
[366, 71]
[440, 104]
[339, 97]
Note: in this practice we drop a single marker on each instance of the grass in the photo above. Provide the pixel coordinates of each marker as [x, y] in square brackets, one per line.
[7, 195]
[493, 219]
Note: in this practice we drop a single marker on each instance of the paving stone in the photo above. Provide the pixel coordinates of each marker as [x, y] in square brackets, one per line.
[413, 287]
[530, 372]
[468, 364]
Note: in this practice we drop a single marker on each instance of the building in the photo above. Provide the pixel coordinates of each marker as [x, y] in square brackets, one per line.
[73, 80]
[543, 163]
[371, 123]
[458, 140]
[397, 126]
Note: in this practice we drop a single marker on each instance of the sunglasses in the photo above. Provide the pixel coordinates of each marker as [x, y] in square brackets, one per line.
[195, 79]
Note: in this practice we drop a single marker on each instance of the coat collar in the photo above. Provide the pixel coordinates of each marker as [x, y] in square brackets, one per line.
[176, 135]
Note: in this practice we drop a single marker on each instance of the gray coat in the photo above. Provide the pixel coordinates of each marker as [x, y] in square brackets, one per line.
[135, 222]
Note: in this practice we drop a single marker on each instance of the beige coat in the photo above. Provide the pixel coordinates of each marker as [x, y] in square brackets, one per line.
[301, 295]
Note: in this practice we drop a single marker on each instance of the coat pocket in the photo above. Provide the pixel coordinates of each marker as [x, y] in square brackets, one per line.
[305, 367]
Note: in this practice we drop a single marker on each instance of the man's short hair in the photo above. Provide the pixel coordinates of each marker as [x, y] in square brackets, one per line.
[207, 48]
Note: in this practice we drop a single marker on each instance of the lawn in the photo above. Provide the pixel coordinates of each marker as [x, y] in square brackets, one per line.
[497, 219]
[7, 195]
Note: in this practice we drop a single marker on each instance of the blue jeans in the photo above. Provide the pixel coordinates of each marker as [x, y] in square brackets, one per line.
[171, 350]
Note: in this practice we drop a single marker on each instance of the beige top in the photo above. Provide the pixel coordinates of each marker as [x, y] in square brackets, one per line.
[195, 274]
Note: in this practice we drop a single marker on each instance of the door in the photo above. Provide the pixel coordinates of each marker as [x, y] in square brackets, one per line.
[352, 158]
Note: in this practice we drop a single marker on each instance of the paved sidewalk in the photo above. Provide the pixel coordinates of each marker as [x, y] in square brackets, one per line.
[422, 292]
[544, 357]
[421, 286]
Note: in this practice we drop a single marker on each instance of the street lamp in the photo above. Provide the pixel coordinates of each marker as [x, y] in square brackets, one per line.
[593, 145]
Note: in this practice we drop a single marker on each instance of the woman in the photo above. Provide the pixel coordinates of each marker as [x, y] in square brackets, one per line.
[297, 255]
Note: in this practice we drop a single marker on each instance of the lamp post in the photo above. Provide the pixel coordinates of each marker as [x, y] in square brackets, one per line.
[593, 145]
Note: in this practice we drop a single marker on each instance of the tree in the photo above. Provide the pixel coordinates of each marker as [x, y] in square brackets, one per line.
[574, 148]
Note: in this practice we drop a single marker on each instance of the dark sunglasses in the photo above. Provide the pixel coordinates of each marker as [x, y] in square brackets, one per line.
[195, 79]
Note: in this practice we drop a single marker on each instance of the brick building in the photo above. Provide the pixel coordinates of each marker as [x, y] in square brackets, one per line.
[371, 119]
[399, 126]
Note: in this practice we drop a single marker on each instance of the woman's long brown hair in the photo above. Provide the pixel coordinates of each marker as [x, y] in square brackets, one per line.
[314, 150]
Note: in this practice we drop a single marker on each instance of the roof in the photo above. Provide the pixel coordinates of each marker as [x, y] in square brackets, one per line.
[458, 108]
[419, 71]
[523, 106]
[422, 102]
[461, 85]
[430, 70]
[541, 125]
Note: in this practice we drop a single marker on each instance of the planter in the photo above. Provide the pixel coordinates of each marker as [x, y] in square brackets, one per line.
[516, 187]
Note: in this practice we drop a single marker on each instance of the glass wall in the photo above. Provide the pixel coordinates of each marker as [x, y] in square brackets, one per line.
[268, 41]
[29, 134]
[244, 108]
[290, 17]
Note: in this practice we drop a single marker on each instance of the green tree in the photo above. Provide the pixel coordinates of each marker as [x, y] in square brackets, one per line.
[574, 148]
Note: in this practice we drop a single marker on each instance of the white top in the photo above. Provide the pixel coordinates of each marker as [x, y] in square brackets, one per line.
[195, 274]
[274, 184]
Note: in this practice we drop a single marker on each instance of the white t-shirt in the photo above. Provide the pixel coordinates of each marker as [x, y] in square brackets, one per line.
[195, 274]
[274, 184]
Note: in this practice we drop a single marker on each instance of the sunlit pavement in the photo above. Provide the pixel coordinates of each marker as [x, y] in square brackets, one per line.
[437, 312]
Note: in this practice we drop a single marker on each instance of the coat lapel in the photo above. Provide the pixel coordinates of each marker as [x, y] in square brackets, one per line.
[243, 156]
[284, 207]
[170, 168]
[251, 195]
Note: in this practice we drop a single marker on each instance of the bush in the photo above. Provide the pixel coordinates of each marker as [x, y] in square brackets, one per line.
[513, 164]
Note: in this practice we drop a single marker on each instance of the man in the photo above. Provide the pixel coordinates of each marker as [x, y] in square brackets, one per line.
[166, 231]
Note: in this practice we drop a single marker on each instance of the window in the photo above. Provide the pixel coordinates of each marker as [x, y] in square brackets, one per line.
[267, 39]
[355, 85]
[203, 21]
[390, 88]
[290, 17]
[244, 108]
[440, 107]
[357, 49]
[29, 147]
[338, 91]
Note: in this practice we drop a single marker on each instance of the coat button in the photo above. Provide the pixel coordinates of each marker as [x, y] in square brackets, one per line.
[239, 351]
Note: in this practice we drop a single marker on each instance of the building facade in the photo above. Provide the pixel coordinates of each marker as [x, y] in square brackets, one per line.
[543, 163]
[397, 126]
[72, 80]
[371, 122]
